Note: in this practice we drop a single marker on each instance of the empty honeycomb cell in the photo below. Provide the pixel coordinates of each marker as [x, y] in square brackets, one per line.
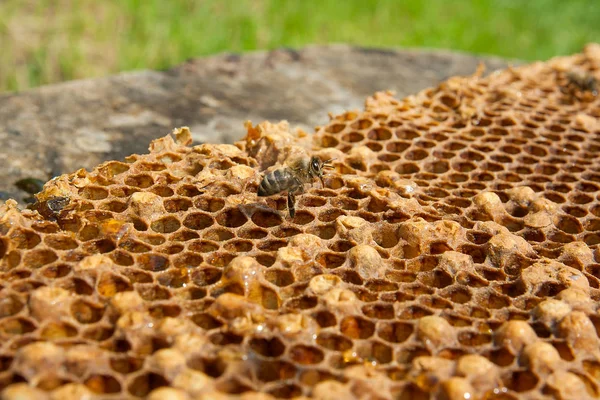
[267, 347]
[143, 384]
[177, 205]
[141, 181]
[580, 198]
[386, 236]
[586, 187]
[357, 327]
[218, 235]
[592, 225]
[121, 258]
[86, 312]
[220, 259]
[112, 168]
[209, 204]
[16, 326]
[10, 305]
[521, 381]
[152, 262]
[206, 276]
[98, 333]
[139, 225]
[88, 232]
[174, 278]
[353, 137]
[378, 311]
[203, 246]
[114, 206]
[152, 239]
[151, 166]
[437, 167]
[153, 292]
[162, 191]
[198, 221]
[55, 271]
[395, 332]
[568, 224]
[206, 321]
[231, 218]
[169, 158]
[415, 155]
[592, 239]
[58, 331]
[93, 193]
[99, 246]
[267, 219]
[375, 146]
[122, 191]
[24, 239]
[536, 151]
[165, 225]
[331, 260]
[225, 338]
[239, 246]
[279, 277]
[110, 284]
[173, 249]
[323, 231]
[265, 259]
[39, 257]
[302, 303]
[328, 141]
[379, 134]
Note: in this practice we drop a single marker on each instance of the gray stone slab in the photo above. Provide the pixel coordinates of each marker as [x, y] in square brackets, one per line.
[61, 128]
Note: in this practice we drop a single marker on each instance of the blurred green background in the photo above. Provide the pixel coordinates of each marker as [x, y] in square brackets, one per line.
[47, 41]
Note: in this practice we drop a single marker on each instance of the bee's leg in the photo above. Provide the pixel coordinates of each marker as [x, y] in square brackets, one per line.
[291, 203]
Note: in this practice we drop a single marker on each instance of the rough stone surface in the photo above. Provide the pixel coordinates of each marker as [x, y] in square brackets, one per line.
[61, 128]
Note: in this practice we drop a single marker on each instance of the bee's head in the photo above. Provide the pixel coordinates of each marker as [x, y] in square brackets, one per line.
[316, 167]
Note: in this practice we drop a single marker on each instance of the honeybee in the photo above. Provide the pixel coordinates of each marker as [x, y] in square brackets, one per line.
[582, 82]
[292, 179]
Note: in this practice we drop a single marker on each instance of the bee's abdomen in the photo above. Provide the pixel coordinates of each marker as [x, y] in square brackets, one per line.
[277, 181]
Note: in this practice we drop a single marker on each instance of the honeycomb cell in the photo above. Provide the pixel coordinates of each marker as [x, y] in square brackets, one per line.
[86, 312]
[231, 218]
[267, 219]
[395, 332]
[141, 181]
[357, 327]
[177, 205]
[39, 258]
[152, 262]
[198, 221]
[114, 206]
[93, 193]
[143, 384]
[209, 204]
[306, 355]
[279, 277]
[165, 225]
[218, 235]
[24, 239]
[353, 137]
[271, 348]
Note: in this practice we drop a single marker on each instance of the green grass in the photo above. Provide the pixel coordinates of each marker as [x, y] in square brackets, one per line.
[47, 41]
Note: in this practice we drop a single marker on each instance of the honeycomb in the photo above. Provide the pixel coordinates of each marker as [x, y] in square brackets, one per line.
[451, 254]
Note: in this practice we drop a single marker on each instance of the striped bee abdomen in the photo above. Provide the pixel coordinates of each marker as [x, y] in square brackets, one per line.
[277, 181]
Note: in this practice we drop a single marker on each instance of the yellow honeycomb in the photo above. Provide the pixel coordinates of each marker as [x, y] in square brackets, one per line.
[453, 253]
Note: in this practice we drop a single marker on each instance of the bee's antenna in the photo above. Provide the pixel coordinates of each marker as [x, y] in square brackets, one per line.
[327, 163]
